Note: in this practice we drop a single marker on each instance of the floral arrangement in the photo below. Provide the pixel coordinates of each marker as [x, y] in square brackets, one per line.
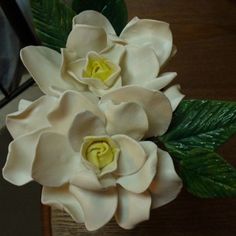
[105, 139]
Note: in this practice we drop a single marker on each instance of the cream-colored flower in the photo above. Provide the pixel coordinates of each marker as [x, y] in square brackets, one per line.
[89, 155]
[96, 59]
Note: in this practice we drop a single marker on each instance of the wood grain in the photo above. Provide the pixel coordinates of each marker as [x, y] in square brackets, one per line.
[205, 35]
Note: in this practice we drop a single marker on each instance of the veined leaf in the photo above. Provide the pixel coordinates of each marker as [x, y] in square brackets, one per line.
[115, 10]
[201, 123]
[205, 174]
[52, 21]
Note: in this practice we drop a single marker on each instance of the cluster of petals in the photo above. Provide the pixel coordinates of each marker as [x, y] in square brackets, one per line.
[95, 59]
[50, 135]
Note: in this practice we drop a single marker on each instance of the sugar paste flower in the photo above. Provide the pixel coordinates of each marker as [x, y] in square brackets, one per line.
[89, 155]
[96, 59]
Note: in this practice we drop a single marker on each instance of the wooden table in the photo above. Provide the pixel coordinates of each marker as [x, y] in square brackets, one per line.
[205, 35]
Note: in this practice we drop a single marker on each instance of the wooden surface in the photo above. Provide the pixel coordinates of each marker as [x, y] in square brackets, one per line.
[205, 35]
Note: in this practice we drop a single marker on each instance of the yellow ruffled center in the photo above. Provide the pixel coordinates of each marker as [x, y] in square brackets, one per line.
[99, 151]
[98, 68]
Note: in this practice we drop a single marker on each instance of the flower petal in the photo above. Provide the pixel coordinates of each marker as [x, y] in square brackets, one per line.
[85, 124]
[132, 208]
[101, 92]
[32, 118]
[155, 103]
[92, 38]
[98, 206]
[114, 53]
[94, 18]
[174, 95]
[140, 181]
[18, 166]
[70, 104]
[71, 70]
[132, 156]
[161, 81]
[23, 104]
[167, 184]
[119, 122]
[61, 198]
[87, 179]
[139, 65]
[55, 162]
[44, 66]
[155, 34]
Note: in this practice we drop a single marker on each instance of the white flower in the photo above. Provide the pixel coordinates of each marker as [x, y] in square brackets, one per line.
[89, 155]
[96, 59]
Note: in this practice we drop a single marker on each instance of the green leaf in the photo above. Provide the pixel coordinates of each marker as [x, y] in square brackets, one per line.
[201, 123]
[52, 21]
[115, 10]
[205, 174]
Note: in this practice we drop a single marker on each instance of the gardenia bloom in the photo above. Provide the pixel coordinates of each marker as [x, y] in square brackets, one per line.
[96, 59]
[89, 155]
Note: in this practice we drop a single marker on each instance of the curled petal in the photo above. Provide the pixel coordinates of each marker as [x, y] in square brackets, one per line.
[114, 53]
[70, 104]
[140, 181]
[18, 166]
[101, 92]
[60, 197]
[161, 81]
[85, 124]
[155, 103]
[87, 179]
[174, 95]
[98, 206]
[23, 104]
[94, 18]
[55, 162]
[118, 119]
[32, 118]
[132, 156]
[92, 38]
[44, 65]
[132, 208]
[155, 34]
[71, 69]
[167, 184]
[139, 65]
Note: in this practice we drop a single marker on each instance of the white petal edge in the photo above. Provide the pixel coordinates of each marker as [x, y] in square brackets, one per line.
[21, 152]
[55, 162]
[94, 18]
[132, 156]
[69, 105]
[155, 103]
[33, 117]
[92, 38]
[71, 70]
[132, 208]
[118, 119]
[85, 124]
[161, 81]
[98, 206]
[139, 65]
[167, 184]
[152, 33]
[62, 199]
[174, 95]
[140, 181]
[23, 104]
[44, 66]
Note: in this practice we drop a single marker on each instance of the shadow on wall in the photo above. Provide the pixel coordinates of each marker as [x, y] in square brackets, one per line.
[19, 206]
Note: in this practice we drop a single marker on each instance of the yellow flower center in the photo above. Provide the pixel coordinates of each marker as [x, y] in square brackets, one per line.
[98, 68]
[99, 151]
